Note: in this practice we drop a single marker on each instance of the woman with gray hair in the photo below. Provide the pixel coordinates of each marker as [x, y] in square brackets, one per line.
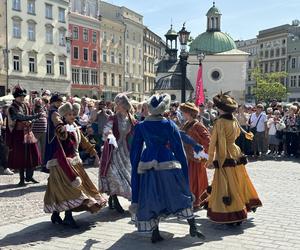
[115, 167]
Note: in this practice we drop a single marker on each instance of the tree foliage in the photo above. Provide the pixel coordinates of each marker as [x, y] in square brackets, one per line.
[269, 86]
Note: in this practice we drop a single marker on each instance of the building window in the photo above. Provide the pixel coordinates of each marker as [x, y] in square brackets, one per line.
[94, 77]
[277, 66]
[62, 68]
[49, 66]
[104, 55]
[113, 38]
[105, 78]
[293, 64]
[127, 67]
[85, 35]
[16, 5]
[75, 53]
[283, 51]
[293, 81]
[127, 86]
[215, 75]
[85, 76]
[120, 58]
[112, 57]
[282, 65]
[62, 37]
[277, 52]
[249, 64]
[140, 70]
[120, 80]
[61, 15]
[32, 65]
[17, 28]
[104, 35]
[299, 81]
[31, 7]
[94, 36]
[266, 54]
[17, 63]
[75, 34]
[48, 11]
[49, 34]
[31, 31]
[283, 41]
[95, 56]
[85, 54]
[272, 53]
[127, 51]
[127, 34]
[272, 66]
[266, 67]
[261, 54]
[133, 53]
[75, 76]
[112, 79]
[120, 40]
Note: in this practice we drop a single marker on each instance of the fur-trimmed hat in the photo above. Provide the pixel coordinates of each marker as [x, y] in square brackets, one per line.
[19, 91]
[123, 100]
[225, 102]
[158, 104]
[68, 107]
[190, 108]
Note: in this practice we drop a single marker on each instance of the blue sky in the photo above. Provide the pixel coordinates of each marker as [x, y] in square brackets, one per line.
[241, 19]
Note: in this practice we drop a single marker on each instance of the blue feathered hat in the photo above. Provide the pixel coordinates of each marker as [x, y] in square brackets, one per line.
[158, 104]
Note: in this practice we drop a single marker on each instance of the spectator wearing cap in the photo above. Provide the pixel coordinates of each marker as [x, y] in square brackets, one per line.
[258, 125]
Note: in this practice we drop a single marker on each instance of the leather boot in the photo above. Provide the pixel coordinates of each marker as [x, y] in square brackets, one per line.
[117, 204]
[194, 231]
[55, 218]
[110, 202]
[22, 178]
[69, 220]
[156, 237]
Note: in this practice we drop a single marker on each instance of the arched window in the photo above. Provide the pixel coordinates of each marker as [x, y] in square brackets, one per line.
[217, 23]
[212, 23]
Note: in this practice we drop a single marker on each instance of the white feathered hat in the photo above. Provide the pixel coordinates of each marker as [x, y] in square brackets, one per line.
[158, 104]
[68, 107]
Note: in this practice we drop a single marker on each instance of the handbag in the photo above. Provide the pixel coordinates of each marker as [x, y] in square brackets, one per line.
[254, 129]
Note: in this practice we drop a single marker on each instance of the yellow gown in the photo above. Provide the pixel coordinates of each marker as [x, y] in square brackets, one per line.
[232, 193]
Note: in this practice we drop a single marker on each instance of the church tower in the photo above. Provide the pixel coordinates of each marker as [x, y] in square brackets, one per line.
[171, 41]
[213, 19]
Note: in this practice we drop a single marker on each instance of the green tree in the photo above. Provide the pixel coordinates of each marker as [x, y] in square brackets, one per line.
[269, 86]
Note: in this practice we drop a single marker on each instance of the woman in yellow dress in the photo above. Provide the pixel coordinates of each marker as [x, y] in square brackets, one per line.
[232, 193]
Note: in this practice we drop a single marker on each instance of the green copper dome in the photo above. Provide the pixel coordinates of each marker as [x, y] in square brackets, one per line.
[213, 11]
[212, 43]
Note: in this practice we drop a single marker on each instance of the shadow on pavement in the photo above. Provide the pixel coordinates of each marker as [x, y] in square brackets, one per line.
[45, 231]
[21, 191]
[142, 241]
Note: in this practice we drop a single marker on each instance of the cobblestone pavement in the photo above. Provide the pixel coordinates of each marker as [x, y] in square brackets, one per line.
[23, 225]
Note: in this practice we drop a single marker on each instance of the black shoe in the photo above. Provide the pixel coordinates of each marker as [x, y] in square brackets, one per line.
[156, 237]
[32, 180]
[55, 218]
[110, 203]
[69, 220]
[117, 205]
[194, 231]
[21, 184]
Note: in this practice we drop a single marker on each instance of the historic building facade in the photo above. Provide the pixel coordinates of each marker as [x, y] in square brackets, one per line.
[84, 27]
[153, 47]
[132, 46]
[251, 47]
[37, 49]
[112, 56]
[3, 51]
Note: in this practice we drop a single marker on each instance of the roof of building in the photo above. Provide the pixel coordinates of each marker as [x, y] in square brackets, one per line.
[213, 11]
[212, 43]
[171, 32]
[172, 82]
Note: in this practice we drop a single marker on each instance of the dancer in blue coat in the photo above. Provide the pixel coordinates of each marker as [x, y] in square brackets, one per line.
[160, 185]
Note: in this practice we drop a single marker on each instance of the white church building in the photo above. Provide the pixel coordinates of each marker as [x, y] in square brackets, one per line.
[224, 66]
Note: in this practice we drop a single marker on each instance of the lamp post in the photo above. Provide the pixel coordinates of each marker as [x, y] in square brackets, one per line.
[183, 39]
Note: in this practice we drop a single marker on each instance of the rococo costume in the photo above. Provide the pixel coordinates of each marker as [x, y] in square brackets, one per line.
[160, 185]
[69, 187]
[232, 192]
[23, 149]
[115, 170]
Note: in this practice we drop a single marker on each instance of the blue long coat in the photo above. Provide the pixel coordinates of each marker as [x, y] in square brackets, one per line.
[160, 185]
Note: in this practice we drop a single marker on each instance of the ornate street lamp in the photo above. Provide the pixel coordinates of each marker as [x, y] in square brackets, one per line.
[183, 39]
